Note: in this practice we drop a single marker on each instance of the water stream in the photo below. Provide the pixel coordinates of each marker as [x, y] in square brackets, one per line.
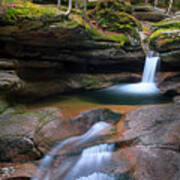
[150, 68]
[143, 92]
[97, 176]
[92, 160]
[147, 84]
[101, 152]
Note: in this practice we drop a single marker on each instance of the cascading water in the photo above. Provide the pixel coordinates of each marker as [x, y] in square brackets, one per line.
[97, 176]
[91, 160]
[44, 171]
[147, 84]
[143, 92]
[150, 69]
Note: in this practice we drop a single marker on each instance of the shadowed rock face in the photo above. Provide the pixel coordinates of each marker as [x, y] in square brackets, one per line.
[171, 85]
[28, 81]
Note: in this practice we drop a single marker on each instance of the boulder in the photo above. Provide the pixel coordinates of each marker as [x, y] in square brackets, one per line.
[86, 119]
[156, 130]
[171, 85]
[27, 135]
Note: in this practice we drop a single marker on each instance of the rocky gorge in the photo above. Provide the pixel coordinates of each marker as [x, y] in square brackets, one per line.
[45, 55]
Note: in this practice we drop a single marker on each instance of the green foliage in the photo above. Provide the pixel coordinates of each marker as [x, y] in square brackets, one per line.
[112, 16]
[165, 37]
[167, 24]
[113, 5]
[27, 11]
[98, 35]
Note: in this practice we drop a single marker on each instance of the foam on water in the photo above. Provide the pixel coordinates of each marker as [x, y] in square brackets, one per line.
[147, 85]
[97, 176]
[138, 88]
[92, 160]
[43, 171]
[150, 69]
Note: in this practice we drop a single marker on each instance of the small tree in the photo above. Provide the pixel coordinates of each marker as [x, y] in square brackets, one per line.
[85, 8]
[146, 1]
[69, 8]
[170, 6]
[59, 4]
[76, 4]
[155, 3]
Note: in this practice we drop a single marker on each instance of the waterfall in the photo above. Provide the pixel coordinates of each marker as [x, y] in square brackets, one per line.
[147, 86]
[96, 176]
[92, 160]
[43, 172]
[150, 69]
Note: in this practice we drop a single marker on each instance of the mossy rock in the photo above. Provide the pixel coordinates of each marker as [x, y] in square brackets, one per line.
[112, 16]
[116, 21]
[113, 5]
[165, 39]
[173, 22]
[27, 11]
[166, 35]
[167, 43]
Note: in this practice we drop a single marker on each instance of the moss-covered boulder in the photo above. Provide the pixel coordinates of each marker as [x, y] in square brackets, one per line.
[113, 16]
[27, 11]
[113, 5]
[149, 13]
[166, 40]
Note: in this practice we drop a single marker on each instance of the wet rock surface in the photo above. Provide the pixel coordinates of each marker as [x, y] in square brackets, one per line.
[85, 120]
[171, 85]
[147, 147]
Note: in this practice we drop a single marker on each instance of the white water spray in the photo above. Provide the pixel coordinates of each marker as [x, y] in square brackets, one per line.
[147, 84]
[91, 160]
[44, 169]
[150, 69]
[96, 176]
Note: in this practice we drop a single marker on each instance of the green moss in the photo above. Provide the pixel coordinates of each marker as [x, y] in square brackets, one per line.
[167, 24]
[165, 37]
[112, 5]
[98, 35]
[161, 34]
[112, 16]
[27, 11]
